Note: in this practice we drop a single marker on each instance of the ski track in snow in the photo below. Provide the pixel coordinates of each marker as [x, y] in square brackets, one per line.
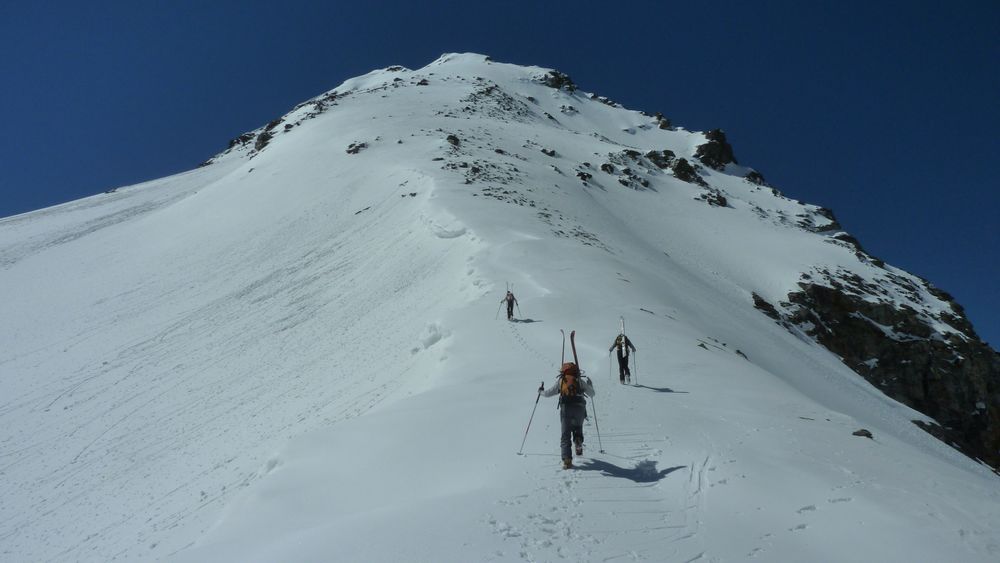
[663, 509]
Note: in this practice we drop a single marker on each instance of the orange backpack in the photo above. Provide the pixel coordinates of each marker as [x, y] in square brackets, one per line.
[569, 380]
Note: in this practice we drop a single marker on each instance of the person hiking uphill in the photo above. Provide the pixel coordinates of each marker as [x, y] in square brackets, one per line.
[622, 343]
[511, 301]
[573, 390]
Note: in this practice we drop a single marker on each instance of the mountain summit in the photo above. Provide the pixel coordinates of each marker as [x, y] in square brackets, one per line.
[901, 333]
[294, 350]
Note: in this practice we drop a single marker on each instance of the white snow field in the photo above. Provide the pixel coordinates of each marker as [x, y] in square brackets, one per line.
[296, 353]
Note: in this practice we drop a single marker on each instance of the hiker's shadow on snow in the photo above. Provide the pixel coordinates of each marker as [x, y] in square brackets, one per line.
[659, 389]
[644, 472]
[524, 321]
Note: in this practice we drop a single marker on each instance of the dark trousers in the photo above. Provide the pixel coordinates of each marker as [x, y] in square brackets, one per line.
[572, 416]
[623, 370]
[510, 309]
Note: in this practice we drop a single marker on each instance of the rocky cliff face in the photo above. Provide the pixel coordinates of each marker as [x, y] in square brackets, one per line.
[935, 364]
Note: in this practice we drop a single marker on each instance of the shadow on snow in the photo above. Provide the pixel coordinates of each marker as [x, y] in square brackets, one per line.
[659, 389]
[524, 321]
[644, 472]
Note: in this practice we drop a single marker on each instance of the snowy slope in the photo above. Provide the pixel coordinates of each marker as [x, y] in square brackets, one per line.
[292, 354]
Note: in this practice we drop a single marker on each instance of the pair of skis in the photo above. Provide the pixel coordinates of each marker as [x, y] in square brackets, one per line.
[510, 287]
[576, 360]
[572, 342]
[635, 367]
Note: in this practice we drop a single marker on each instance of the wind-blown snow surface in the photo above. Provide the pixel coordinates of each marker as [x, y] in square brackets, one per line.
[294, 354]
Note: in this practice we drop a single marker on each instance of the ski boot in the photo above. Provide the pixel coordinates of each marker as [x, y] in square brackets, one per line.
[567, 463]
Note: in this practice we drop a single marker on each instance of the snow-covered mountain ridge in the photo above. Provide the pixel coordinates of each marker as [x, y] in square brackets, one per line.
[285, 353]
[889, 309]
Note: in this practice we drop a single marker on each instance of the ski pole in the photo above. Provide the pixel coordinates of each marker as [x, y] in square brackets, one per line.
[635, 365]
[593, 405]
[518, 309]
[497, 316]
[532, 418]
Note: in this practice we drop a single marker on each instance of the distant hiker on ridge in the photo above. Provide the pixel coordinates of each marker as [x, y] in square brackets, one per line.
[622, 343]
[573, 390]
[511, 301]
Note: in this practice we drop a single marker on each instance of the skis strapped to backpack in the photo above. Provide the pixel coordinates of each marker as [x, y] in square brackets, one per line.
[570, 387]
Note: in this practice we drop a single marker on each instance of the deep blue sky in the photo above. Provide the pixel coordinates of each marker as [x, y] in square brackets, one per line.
[885, 112]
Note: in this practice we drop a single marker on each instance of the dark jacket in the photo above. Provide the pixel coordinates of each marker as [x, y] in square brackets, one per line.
[623, 344]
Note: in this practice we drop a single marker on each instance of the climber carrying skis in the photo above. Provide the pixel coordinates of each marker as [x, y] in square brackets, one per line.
[623, 344]
[511, 301]
[573, 389]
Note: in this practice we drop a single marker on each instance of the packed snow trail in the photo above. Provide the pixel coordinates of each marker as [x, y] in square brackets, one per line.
[706, 460]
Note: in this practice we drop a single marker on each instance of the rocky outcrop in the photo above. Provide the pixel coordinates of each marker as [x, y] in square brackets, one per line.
[661, 159]
[717, 152]
[558, 80]
[686, 173]
[756, 178]
[945, 372]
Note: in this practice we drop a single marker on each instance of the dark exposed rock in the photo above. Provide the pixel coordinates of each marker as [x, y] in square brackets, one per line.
[755, 177]
[952, 378]
[686, 173]
[849, 239]
[605, 100]
[631, 179]
[863, 433]
[355, 148]
[662, 159]
[664, 123]
[558, 80]
[763, 305]
[493, 101]
[242, 140]
[262, 140]
[833, 225]
[608, 167]
[453, 140]
[549, 152]
[585, 176]
[716, 153]
[423, 82]
[714, 198]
